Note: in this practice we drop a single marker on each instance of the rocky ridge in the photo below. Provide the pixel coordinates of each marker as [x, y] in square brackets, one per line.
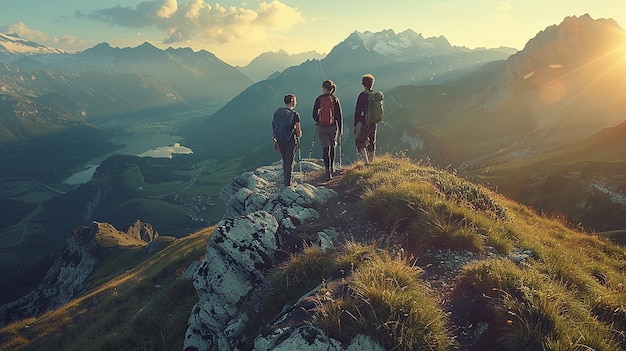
[246, 243]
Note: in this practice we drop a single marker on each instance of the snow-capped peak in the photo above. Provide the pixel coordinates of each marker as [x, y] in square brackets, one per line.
[387, 42]
[13, 44]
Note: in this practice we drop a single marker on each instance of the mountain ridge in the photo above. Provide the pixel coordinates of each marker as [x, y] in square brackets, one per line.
[268, 64]
[551, 97]
[88, 251]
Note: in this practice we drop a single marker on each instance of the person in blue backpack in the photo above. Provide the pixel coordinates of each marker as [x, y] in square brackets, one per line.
[328, 118]
[286, 133]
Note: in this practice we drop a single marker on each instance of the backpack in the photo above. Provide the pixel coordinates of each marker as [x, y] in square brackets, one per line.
[326, 112]
[282, 124]
[375, 109]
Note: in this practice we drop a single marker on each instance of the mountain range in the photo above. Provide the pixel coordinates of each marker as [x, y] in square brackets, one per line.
[394, 59]
[477, 111]
[105, 81]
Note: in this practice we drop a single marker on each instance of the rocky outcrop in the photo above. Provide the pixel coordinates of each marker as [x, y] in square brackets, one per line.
[67, 278]
[142, 231]
[232, 281]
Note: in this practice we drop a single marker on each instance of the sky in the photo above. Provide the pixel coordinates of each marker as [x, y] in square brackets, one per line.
[238, 31]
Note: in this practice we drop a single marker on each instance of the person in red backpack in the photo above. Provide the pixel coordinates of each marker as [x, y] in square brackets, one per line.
[328, 118]
[365, 136]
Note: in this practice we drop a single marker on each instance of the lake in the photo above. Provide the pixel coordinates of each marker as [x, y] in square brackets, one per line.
[142, 147]
[145, 138]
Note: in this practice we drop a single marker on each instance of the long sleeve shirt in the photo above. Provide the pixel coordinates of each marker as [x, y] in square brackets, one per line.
[361, 108]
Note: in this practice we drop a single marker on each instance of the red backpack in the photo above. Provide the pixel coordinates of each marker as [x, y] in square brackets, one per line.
[326, 112]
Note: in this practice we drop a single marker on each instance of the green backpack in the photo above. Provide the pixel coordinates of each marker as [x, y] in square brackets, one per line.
[375, 109]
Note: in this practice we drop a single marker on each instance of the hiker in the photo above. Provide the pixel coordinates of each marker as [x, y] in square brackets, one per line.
[286, 133]
[327, 116]
[366, 136]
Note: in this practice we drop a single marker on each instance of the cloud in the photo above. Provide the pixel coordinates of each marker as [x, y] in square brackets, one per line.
[38, 36]
[65, 40]
[168, 8]
[197, 20]
[25, 32]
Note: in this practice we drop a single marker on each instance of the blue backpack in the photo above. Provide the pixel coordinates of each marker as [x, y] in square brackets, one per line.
[283, 124]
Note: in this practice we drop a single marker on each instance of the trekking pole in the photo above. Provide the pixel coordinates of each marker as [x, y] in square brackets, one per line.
[340, 164]
[356, 150]
[313, 142]
[300, 157]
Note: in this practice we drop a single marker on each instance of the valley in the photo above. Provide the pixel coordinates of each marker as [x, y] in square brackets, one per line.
[177, 193]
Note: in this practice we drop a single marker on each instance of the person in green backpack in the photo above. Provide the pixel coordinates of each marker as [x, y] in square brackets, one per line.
[368, 112]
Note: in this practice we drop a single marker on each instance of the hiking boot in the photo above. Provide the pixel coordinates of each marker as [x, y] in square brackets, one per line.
[329, 175]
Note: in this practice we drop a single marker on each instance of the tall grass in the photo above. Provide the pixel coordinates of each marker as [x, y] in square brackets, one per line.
[568, 294]
[387, 301]
[364, 290]
[433, 207]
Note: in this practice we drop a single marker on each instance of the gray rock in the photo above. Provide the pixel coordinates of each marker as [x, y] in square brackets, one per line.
[250, 191]
[325, 239]
[231, 282]
[301, 338]
[364, 343]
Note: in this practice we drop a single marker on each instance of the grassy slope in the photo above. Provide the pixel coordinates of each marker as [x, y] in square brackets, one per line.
[556, 181]
[145, 308]
[565, 292]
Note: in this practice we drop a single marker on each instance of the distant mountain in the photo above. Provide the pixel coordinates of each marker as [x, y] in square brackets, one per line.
[45, 102]
[199, 77]
[269, 64]
[104, 81]
[12, 46]
[395, 59]
[521, 123]
[563, 87]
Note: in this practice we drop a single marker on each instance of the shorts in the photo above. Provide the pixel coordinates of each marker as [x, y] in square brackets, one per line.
[366, 137]
[327, 136]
